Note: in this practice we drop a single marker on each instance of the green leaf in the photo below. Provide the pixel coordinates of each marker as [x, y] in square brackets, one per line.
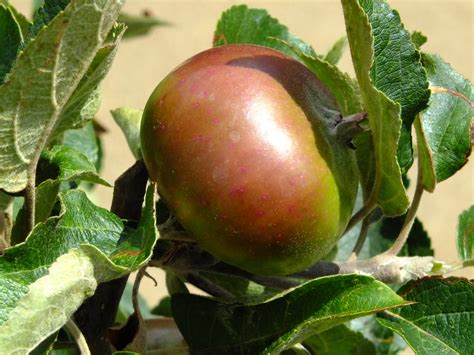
[418, 39]
[60, 264]
[447, 121]
[339, 340]
[337, 50]
[397, 70]
[466, 234]
[48, 81]
[69, 164]
[440, 321]
[10, 40]
[139, 25]
[57, 165]
[210, 327]
[129, 120]
[241, 25]
[85, 100]
[384, 114]
[87, 142]
[134, 251]
[45, 14]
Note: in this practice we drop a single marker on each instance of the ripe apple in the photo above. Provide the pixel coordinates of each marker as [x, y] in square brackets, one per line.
[241, 142]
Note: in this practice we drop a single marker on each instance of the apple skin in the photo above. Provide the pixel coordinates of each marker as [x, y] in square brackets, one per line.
[241, 142]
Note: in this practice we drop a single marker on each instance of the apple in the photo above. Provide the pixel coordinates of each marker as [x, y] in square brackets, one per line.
[241, 142]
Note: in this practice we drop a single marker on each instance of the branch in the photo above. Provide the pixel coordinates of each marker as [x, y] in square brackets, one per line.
[188, 259]
[97, 313]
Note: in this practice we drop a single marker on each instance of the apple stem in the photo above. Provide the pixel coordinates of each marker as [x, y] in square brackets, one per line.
[364, 230]
[350, 126]
[410, 216]
[361, 214]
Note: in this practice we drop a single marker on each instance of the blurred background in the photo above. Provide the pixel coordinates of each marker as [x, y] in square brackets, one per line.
[142, 62]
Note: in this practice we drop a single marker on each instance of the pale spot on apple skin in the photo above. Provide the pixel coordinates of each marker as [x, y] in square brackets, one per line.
[234, 136]
[220, 174]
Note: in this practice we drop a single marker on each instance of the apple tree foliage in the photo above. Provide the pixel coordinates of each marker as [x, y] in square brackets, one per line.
[64, 261]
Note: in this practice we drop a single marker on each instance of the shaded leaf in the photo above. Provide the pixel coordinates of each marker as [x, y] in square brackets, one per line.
[87, 142]
[10, 40]
[241, 289]
[466, 234]
[48, 10]
[384, 115]
[174, 284]
[337, 50]
[366, 162]
[57, 165]
[210, 327]
[6, 220]
[134, 251]
[427, 175]
[139, 25]
[129, 120]
[447, 120]
[46, 85]
[440, 321]
[163, 308]
[60, 264]
[339, 340]
[343, 87]
[382, 233]
[385, 340]
[243, 25]
[65, 163]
